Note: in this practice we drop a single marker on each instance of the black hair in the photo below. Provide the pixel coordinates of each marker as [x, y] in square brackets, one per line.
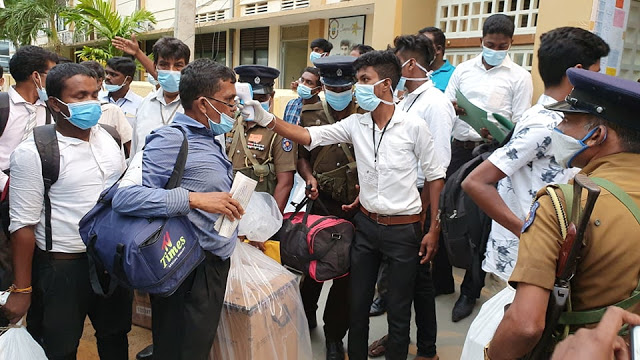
[566, 47]
[345, 42]
[170, 48]
[64, 60]
[323, 44]
[57, 77]
[384, 62]
[629, 138]
[439, 39]
[28, 59]
[362, 49]
[421, 47]
[498, 24]
[314, 71]
[1, 71]
[123, 65]
[202, 77]
[95, 66]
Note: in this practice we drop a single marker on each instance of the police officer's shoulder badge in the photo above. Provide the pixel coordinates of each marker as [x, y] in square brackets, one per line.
[530, 217]
[287, 145]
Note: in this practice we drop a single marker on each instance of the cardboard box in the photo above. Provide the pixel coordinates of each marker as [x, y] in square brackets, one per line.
[258, 321]
[141, 314]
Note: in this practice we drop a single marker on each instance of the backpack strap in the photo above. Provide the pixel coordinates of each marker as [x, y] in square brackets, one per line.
[113, 132]
[47, 144]
[4, 110]
[181, 161]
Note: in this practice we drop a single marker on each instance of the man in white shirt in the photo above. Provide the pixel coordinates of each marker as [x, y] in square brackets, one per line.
[388, 144]
[496, 84]
[119, 75]
[525, 164]
[52, 283]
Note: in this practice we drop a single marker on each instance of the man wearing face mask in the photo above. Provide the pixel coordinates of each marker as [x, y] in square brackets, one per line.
[52, 283]
[493, 82]
[256, 151]
[160, 107]
[442, 68]
[319, 48]
[387, 143]
[119, 75]
[185, 323]
[600, 133]
[332, 174]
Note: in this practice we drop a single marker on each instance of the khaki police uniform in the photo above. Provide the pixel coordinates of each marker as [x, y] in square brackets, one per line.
[273, 153]
[608, 269]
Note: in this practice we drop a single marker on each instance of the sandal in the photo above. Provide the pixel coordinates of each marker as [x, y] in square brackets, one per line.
[378, 347]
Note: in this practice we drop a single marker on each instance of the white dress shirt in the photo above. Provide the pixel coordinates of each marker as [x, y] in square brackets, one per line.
[153, 113]
[505, 89]
[112, 115]
[86, 169]
[19, 113]
[388, 184]
[129, 104]
[432, 106]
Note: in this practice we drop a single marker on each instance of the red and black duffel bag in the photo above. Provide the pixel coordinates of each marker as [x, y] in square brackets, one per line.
[319, 246]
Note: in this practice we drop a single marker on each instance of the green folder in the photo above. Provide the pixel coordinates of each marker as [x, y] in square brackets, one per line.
[478, 119]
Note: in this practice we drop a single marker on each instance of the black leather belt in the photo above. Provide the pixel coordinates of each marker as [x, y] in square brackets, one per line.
[465, 144]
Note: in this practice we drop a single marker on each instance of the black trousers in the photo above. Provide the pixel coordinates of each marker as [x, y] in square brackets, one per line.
[336, 311]
[442, 277]
[400, 245]
[184, 324]
[62, 298]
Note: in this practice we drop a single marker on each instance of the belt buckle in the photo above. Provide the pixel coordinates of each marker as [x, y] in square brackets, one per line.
[378, 217]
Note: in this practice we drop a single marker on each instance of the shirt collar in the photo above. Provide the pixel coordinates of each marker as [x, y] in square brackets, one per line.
[16, 98]
[613, 161]
[505, 63]
[546, 100]
[312, 107]
[422, 88]
[397, 117]
[446, 67]
[159, 96]
[183, 119]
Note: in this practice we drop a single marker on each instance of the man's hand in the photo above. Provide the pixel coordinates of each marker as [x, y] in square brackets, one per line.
[16, 306]
[354, 205]
[601, 342]
[294, 85]
[262, 117]
[130, 47]
[259, 245]
[216, 203]
[459, 110]
[312, 188]
[428, 247]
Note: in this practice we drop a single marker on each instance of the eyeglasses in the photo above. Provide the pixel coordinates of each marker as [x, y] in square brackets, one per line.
[236, 101]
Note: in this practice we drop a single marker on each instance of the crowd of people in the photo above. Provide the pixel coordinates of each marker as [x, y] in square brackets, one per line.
[376, 150]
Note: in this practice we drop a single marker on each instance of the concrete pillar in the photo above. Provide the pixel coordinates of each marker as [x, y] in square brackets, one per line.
[184, 27]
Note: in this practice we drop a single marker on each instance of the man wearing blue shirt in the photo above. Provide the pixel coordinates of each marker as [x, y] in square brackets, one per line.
[442, 68]
[184, 324]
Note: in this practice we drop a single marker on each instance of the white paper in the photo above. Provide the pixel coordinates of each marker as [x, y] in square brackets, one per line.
[241, 190]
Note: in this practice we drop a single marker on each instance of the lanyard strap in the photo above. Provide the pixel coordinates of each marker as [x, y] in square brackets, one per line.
[413, 102]
[373, 136]
[170, 116]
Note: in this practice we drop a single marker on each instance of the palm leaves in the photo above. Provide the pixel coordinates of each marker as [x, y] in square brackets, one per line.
[21, 20]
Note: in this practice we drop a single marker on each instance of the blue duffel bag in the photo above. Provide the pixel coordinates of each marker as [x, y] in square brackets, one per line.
[154, 255]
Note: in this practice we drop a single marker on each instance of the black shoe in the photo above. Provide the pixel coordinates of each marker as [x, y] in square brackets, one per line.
[378, 307]
[462, 308]
[146, 353]
[335, 350]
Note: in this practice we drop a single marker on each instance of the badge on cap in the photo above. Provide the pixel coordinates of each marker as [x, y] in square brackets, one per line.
[530, 217]
[339, 72]
[257, 80]
[287, 145]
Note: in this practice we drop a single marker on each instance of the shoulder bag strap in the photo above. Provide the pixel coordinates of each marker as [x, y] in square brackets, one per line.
[343, 146]
[4, 110]
[47, 144]
[181, 161]
[237, 130]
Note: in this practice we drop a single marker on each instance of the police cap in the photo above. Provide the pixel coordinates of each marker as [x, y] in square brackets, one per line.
[260, 77]
[611, 98]
[336, 70]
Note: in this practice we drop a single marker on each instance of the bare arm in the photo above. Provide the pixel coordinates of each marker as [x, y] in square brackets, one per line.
[23, 244]
[522, 325]
[429, 244]
[304, 169]
[131, 47]
[296, 133]
[283, 188]
[480, 185]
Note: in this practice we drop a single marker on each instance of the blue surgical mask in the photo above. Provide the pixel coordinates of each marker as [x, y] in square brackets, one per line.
[152, 80]
[110, 88]
[169, 80]
[338, 100]
[305, 92]
[225, 125]
[83, 115]
[314, 56]
[42, 92]
[265, 105]
[403, 79]
[366, 97]
[565, 148]
[493, 57]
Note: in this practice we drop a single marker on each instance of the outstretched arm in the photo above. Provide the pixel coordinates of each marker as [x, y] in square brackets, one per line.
[131, 47]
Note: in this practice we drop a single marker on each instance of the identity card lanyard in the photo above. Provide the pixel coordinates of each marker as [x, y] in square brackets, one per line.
[373, 135]
[170, 116]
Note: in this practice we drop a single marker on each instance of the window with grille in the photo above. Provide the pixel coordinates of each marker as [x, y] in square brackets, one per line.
[254, 46]
[294, 4]
[521, 55]
[211, 46]
[630, 64]
[465, 18]
[211, 16]
[256, 8]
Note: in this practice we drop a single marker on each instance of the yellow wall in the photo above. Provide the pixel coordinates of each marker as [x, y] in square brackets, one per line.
[317, 29]
[553, 14]
[393, 18]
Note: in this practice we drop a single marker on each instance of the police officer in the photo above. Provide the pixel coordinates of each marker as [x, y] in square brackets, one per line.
[256, 151]
[331, 172]
[600, 133]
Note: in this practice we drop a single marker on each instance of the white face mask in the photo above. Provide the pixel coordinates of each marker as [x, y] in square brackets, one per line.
[565, 148]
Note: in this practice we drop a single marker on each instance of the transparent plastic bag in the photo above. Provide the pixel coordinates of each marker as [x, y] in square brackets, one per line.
[17, 344]
[261, 218]
[485, 324]
[262, 317]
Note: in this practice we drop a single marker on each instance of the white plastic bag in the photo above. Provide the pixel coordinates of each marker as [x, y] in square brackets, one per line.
[261, 218]
[485, 324]
[262, 317]
[17, 344]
